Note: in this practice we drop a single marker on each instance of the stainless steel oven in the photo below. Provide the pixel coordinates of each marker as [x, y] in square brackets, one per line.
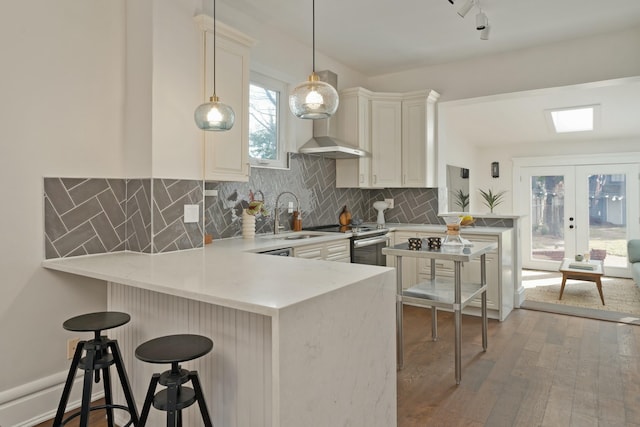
[366, 242]
[368, 249]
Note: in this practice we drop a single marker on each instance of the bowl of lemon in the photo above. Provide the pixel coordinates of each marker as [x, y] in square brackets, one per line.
[466, 220]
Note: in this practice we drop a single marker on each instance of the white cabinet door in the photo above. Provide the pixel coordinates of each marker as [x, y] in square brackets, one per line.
[418, 139]
[353, 127]
[386, 142]
[309, 251]
[397, 129]
[471, 274]
[338, 251]
[443, 268]
[409, 264]
[227, 153]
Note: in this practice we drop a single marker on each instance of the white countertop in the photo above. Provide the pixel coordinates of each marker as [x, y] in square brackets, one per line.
[224, 273]
[426, 228]
[230, 273]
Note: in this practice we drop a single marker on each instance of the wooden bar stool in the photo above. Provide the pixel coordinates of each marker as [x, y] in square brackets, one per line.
[100, 353]
[174, 349]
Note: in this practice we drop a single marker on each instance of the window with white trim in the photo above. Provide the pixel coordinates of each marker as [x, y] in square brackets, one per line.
[267, 116]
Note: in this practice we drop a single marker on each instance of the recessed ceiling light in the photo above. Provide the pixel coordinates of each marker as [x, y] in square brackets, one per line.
[573, 119]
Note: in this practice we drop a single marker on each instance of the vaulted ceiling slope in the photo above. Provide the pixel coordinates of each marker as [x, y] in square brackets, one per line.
[379, 36]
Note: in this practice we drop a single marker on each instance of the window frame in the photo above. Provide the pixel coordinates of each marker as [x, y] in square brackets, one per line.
[271, 83]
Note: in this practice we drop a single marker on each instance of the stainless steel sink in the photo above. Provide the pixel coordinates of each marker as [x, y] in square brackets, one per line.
[296, 235]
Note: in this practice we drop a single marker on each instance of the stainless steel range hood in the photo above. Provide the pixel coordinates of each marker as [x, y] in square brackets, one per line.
[324, 143]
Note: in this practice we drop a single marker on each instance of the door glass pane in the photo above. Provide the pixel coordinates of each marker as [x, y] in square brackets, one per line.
[547, 218]
[608, 219]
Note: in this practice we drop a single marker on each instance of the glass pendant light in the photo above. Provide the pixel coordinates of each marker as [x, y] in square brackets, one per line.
[214, 115]
[313, 99]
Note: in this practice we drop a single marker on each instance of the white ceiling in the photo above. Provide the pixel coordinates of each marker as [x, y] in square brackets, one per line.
[382, 36]
[519, 118]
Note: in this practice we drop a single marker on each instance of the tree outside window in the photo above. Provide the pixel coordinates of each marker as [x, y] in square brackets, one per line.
[267, 146]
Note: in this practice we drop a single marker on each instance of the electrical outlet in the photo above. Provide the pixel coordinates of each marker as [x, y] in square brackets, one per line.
[390, 202]
[72, 343]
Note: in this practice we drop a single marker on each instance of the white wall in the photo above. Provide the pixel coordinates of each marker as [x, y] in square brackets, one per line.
[80, 100]
[506, 153]
[279, 56]
[176, 90]
[582, 60]
[590, 59]
[62, 86]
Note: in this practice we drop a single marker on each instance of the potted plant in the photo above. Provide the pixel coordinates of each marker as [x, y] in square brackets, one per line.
[491, 199]
[255, 207]
[461, 199]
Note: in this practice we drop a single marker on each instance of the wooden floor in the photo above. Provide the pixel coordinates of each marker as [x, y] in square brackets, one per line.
[540, 369]
[96, 418]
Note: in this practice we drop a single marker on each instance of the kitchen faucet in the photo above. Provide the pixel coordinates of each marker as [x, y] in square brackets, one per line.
[276, 215]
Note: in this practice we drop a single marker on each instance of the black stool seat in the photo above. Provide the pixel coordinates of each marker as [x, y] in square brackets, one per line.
[100, 353]
[173, 349]
[96, 322]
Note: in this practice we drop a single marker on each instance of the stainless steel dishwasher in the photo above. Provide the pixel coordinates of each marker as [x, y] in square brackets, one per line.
[279, 252]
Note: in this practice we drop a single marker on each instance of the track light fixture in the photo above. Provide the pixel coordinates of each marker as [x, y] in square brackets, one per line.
[465, 8]
[482, 21]
[484, 33]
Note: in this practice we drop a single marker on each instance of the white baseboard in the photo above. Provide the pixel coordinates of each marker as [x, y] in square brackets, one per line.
[35, 402]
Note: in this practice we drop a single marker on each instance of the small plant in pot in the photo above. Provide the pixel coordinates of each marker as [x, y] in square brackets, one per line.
[491, 198]
[461, 199]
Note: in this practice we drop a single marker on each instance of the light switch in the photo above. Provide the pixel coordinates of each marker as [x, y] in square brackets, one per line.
[290, 209]
[211, 193]
[191, 213]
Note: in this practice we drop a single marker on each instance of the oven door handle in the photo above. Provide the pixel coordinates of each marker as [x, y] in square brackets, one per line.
[361, 243]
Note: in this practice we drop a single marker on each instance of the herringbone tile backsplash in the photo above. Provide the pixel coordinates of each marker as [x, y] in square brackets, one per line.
[95, 215]
[84, 216]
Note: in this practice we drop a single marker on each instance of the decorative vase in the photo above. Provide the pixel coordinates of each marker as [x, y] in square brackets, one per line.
[248, 225]
[452, 240]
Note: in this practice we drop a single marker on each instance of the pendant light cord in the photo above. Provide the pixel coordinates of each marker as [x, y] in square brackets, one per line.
[313, 32]
[214, 47]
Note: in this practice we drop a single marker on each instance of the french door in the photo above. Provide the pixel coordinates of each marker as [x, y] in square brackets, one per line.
[584, 209]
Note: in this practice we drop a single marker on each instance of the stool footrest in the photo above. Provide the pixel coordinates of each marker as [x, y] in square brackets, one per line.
[99, 407]
[185, 397]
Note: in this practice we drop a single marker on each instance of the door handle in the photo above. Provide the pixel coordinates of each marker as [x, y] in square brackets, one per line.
[570, 218]
[571, 226]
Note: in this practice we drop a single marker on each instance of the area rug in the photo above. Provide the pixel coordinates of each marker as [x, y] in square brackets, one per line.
[621, 296]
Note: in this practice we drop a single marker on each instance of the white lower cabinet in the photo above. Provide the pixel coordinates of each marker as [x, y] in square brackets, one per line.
[409, 277]
[498, 263]
[339, 250]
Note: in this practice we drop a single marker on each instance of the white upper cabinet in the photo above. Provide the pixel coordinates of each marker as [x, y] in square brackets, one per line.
[397, 129]
[386, 141]
[353, 118]
[226, 153]
[419, 163]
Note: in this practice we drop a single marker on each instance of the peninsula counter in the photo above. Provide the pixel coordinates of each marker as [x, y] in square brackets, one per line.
[296, 342]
